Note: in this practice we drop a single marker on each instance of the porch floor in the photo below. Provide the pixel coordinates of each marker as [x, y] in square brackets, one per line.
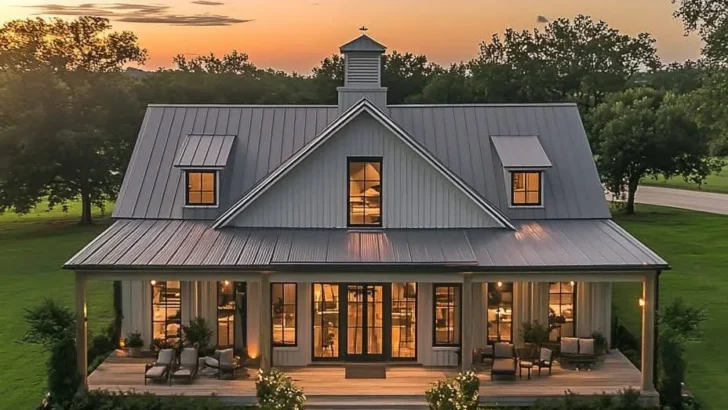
[323, 383]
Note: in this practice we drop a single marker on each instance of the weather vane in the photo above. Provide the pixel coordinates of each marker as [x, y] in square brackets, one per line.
[363, 29]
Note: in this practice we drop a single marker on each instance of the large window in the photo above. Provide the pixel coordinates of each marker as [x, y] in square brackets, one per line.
[166, 311]
[526, 188]
[447, 315]
[231, 311]
[284, 312]
[325, 320]
[562, 296]
[365, 192]
[201, 188]
[500, 312]
[404, 320]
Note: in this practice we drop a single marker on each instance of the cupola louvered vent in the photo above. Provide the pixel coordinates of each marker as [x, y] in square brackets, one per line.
[362, 69]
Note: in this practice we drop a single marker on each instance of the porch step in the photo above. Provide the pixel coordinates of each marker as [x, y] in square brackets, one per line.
[366, 403]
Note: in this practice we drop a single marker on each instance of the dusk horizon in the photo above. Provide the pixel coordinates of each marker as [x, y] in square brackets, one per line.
[295, 35]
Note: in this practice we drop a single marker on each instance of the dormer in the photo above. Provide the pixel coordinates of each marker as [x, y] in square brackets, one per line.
[362, 73]
[524, 164]
[202, 159]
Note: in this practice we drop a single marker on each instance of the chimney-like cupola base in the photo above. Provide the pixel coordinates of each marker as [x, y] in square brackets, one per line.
[362, 73]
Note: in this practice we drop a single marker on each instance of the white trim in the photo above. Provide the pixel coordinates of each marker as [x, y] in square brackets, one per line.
[362, 106]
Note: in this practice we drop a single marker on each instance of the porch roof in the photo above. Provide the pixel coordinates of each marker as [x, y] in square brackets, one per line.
[597, 244]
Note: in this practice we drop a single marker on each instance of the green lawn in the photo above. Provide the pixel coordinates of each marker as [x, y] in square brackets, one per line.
[696, 245]
[714, 183]
[32, 250]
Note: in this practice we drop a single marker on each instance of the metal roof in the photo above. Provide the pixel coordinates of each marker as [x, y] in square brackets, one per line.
[168, 244]
[363, 43]
[457, 135]
[205, 151]
[521, 152]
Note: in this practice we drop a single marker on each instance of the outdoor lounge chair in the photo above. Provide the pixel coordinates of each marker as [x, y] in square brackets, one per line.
[227, 362]
[159, 370]
[578, 352]
[545, 359]
[504, 360]
[187, 367]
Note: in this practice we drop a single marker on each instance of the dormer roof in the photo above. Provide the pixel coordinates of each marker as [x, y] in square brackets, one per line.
[363, 43]
[205, 151]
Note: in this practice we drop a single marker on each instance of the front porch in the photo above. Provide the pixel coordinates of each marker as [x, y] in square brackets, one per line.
[325, 385]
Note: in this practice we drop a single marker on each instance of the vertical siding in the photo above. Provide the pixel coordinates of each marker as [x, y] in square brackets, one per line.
[314, 194]
[539, 303]
[254, 319]
[350, 96]
[137, 309]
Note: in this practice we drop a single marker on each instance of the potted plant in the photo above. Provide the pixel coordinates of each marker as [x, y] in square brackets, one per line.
[600, 343]
[534, 335]
[133, 341]
[197, 334]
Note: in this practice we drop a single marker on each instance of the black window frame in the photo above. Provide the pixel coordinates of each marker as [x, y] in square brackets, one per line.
[526, 191]
[214, 187]
[272, 311]
[166, 305]
[406, 299]
[458, 307]
[574, 290]
[506, 287]
[237, 311]
[349, 160]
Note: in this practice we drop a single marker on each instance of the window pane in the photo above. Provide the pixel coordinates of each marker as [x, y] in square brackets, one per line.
[561, 309]
[373, 171]
[447, 315]
[365, 193]
[195, 181]
[208, 181]
[533, 181]
[356, 170]
[166, 311]
[532, 197]
[195, 198]
[356, 188]
[500, 312]
[404, 320]
[283, 299]
[208, 198]
[325, 320]
[519, 197]
[518, 181]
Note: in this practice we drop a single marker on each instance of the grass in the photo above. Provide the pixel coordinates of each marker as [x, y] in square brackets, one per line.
[32, 250]
[714, 183]
[696, 246]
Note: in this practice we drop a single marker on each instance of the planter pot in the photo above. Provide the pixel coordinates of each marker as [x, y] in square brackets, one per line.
[135, 351]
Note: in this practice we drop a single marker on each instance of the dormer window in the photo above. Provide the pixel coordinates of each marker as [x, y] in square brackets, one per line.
[526, 188]
[365, 192]
[201, 188]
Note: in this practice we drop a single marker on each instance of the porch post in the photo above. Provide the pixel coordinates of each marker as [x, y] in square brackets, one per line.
[265, 323]
[466, 318]
[81, 326]
[648, 331]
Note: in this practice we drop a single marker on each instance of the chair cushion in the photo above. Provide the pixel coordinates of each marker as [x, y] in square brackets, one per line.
[182, 373]
[569, 345]
[188, 357]
[212, 362]
[504, 366]
[226, 357]
[166, 356]
[586, 346]
[503, 350]
[156, 372]
[545, 354]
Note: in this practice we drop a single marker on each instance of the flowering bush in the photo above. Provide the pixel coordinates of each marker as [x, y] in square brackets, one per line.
[276, 391]
[460, 393]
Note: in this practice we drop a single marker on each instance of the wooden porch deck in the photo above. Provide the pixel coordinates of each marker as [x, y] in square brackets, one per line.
[325, 386]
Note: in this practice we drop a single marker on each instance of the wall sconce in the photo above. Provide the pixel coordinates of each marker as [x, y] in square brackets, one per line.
[642, 302]
[227, 282]
[500, 284]
[572, 283]
[154, 282]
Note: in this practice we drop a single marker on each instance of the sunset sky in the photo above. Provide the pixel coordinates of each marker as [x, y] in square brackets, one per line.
[297, 34]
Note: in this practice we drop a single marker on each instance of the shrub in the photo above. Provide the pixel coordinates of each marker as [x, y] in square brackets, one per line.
[99, 348]
[133, 339]
[276, 391]
[460, 393]
[535, 333]
[197, 333]
[132, 401]
[600, 342]
[625, 400]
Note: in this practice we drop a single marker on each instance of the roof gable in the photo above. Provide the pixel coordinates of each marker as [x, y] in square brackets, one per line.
[363, 43]
[363, 106]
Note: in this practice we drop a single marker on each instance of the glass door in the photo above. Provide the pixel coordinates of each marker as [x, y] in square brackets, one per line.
[365, 314]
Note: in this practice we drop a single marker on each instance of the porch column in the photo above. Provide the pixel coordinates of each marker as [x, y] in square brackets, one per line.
[648, 331]
[265, 324]
[81, 329]
[466, 318]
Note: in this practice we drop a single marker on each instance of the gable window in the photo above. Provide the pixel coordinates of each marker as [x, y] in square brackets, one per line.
[283, 299]
[365, 192]
[526, 188]
[447, 315]
[201, 188]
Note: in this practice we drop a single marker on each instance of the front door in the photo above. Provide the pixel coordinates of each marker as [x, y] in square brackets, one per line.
[365, 322]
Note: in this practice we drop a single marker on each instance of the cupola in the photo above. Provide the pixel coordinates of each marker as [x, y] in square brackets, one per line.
[362, 73]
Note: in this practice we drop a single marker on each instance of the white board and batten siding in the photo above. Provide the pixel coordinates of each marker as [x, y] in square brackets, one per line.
[314, 194]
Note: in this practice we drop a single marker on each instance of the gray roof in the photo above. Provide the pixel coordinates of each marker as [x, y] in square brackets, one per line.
[521, 152]
[205, 151]
[363, 43]
[457, 135]
[534, 245]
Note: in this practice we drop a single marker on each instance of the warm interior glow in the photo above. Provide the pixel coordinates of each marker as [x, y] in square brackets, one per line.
[500, 312]
[526, 188]
[365, 193]
[201, 188]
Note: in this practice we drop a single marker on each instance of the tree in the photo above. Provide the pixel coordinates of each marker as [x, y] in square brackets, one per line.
[53, 326]
[75, 140]
[232, 63]
[570, 60]
[452, 86]
[406, 75]
[644, 132]
[85, 44]
[709, 18]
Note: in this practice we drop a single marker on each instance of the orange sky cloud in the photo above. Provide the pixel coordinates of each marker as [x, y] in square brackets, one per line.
[297, 34]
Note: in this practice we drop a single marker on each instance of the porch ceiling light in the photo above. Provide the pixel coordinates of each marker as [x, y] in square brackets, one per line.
[500, 284]
[154, 282]
[642, 302]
